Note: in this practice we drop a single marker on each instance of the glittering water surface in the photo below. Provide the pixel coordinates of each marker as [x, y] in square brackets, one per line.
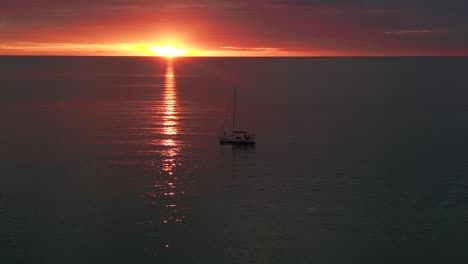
[116, 160]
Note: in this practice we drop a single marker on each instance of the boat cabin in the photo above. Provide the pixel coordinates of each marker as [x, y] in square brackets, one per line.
[238, 137]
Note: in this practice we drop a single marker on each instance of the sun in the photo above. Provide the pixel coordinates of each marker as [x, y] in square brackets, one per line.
[168, 50]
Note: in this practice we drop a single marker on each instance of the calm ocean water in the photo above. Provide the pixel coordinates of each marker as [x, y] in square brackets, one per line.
[116, 160]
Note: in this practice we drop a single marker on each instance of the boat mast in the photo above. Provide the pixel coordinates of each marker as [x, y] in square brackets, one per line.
[234, 113]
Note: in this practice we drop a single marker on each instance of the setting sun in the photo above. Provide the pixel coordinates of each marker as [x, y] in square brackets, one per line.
[167, 50]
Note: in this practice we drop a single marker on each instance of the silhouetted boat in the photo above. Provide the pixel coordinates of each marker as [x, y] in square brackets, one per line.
[236, 136]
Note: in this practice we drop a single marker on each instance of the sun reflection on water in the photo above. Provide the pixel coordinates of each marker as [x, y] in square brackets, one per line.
[170, 123]
[170, 102]
[167, 188]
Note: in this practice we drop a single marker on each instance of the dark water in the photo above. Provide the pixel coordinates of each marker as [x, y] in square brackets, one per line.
[116, 160]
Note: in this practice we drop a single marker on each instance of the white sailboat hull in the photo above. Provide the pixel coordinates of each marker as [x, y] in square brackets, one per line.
[235, 140]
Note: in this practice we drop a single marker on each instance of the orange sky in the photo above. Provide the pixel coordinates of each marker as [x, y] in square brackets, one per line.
[233, 28]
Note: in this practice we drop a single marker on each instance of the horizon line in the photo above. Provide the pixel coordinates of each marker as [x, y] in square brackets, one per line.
[226, 56]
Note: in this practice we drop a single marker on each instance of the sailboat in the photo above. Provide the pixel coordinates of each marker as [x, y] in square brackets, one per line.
[236, 136]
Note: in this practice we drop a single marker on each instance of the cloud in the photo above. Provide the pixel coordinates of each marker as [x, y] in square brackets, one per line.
[417, 32]
[72, 48]
[250, 49]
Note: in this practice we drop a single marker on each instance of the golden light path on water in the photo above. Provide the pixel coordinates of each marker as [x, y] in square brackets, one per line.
[166, 187]
[171, 148]
[170, 121]
[168, 183]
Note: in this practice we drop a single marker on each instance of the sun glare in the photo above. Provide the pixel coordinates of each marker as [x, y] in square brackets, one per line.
[167, 50]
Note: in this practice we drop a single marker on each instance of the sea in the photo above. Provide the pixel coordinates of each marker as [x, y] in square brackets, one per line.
[117, 160]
